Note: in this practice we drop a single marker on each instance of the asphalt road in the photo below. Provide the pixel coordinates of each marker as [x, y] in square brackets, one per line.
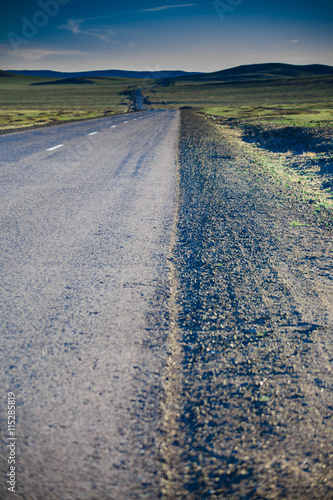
[86, 214]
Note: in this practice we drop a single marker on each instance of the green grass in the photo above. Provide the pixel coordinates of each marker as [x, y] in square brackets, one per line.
[302, 115]
[297, 224]
[23, 104]
[26, 118]
[307, 186]
[295, 101]
[292, 101]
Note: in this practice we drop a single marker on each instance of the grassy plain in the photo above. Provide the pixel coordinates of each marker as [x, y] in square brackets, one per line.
[26, 101]
[299, 115]
[294, 101]
[282, 125]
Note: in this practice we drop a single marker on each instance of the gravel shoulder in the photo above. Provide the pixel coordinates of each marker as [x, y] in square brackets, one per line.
[248, 390]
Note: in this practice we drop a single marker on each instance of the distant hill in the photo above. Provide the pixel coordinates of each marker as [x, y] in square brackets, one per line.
[237, 74]
[66, 81]
[4, 73]
[261, 72]
[111, 73]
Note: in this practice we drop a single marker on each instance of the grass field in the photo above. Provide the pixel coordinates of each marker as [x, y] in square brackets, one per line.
[295, 101]
[291, 101]
[283, 125]
[302, 115]
[25, 104]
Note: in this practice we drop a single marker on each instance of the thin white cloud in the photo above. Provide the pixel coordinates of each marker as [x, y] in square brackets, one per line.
[166, 7]
[75, 26]
[38, 54]
[293, 41]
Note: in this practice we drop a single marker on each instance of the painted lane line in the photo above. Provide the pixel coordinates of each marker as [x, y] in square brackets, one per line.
[93, 133]
[113, 126]
[126, 122]
[55, 147]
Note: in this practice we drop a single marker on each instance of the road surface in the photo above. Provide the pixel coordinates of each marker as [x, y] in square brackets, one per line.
[86, 214]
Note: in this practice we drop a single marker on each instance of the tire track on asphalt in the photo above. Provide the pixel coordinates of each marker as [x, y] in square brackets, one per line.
[84, 284]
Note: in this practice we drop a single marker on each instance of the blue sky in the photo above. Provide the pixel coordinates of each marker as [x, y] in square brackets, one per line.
[76, 35]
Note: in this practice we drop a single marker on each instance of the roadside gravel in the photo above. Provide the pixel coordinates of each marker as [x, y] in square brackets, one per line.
[248, 406]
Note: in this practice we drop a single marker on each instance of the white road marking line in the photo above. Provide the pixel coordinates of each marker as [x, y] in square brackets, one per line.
[55, 147]
[93, 133]
[134, 119]
[113, 126]
[126, 122]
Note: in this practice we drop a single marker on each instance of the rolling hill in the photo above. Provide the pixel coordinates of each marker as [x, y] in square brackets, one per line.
[260, 72]
[111, 73]
[5, 73]
[67, 81]
[237, 74]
